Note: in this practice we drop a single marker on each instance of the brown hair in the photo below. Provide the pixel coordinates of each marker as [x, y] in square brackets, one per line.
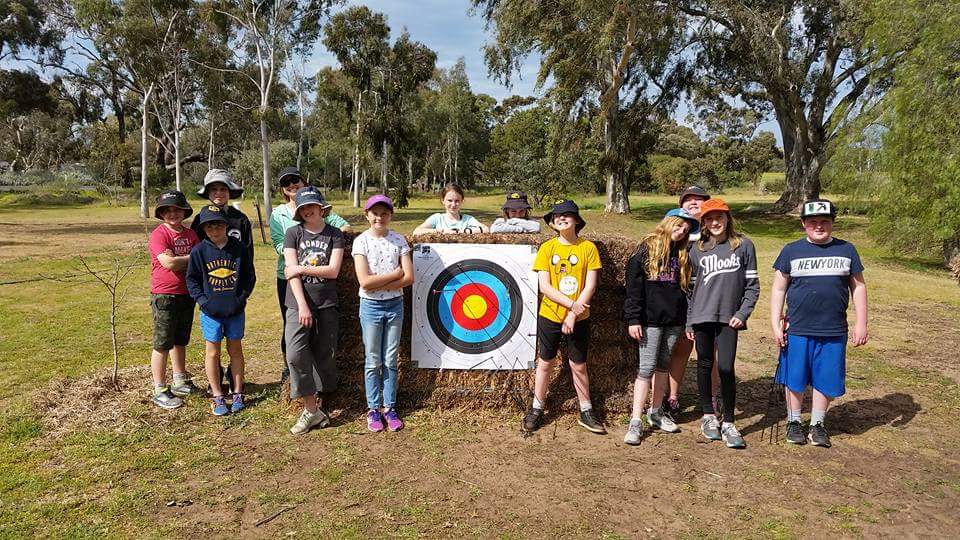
[732, 235]
[454, 188]
[659, 243]
[303, 183]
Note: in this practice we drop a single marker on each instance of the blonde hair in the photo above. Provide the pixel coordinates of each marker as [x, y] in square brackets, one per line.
[707, 241]
[659, 244]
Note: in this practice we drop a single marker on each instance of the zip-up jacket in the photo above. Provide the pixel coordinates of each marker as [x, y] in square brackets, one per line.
[725, 283]
[220, 280]
[657, 301]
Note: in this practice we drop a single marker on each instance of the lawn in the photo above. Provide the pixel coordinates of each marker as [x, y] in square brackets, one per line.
[80, 459]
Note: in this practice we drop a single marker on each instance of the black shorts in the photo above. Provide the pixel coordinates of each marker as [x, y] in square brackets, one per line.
[550, 334]
[172, 320]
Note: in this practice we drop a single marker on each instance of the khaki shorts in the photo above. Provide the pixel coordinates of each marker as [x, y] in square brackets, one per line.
[172, 320]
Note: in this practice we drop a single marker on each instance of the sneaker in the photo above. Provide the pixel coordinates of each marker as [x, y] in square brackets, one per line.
[532, 420]
[795, 433]
[818, 435]
[710, 428]
[374, 421]
[634, 433]
[184, 389]
[164, 398]
[237, 404]
[732, 437]
[309, 420]
[588, 421]
[218, 405]
[663, 421]
[394, 423]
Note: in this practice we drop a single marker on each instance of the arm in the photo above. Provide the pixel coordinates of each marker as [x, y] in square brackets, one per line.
[276, 232]
[635, 303]
[406, 269]
[428, 226]
[296, 287]
[372, 282]
[778, 294]
[248, 238]
[248, 278]
[858, 288]
[346, 228]
[327, 271]
[195, 276]
[474, 226]
[694, 263]
[751, 291]
[171, 262]
[550, 292]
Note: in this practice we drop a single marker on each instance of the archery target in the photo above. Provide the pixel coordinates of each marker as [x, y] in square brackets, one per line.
[474, 306]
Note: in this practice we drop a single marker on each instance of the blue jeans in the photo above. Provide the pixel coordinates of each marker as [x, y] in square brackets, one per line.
[381, 322]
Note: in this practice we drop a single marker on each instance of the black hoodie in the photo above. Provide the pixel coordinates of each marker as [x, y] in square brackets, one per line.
[654, 301]
[220, 280]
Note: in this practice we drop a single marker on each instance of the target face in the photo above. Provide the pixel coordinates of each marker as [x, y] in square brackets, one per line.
[474, 306]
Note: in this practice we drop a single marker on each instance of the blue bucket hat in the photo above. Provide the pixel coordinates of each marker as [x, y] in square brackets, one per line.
[682, 214]
[209, 214]
[309, 195]
[566, 206]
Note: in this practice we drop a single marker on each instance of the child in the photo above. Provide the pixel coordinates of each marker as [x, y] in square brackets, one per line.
[658, 280]
[726, 287]
[220, 278]
[451, 221]
[568, 268]
[817, 275]
[313, 252]
[170, 245]
[515, 218]
[384, 267]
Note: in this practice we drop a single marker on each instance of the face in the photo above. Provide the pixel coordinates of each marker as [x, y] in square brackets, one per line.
[691, 203]
[516, 213]
[172, 216]
[290, 185]
[818, 229]
[312, 213]
[716, 223]
[218, 193]
[452, 201]
[379, 217]
[680, 231]
[565, 221]
[216, 231]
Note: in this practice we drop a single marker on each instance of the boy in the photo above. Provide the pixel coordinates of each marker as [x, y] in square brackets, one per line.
[516, 218]
[170, 245]
[817, 275]
[220, 278]
[568, 268]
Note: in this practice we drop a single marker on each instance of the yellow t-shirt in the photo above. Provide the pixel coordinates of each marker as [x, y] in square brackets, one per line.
[568, 266]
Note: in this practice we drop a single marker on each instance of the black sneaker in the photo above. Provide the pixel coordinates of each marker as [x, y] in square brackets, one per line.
[795, 433]
[588, 421]
[532, 420]
[818, 436]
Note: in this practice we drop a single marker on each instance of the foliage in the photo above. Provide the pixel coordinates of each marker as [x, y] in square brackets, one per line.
[247, 165]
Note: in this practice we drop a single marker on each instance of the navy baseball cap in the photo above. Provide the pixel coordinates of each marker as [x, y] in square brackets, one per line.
[209, 214]
[694, 191]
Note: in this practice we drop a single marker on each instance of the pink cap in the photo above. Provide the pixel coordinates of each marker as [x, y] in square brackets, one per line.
[378, 199]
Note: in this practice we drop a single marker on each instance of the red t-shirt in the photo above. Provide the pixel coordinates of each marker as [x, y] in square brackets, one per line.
[163, 281]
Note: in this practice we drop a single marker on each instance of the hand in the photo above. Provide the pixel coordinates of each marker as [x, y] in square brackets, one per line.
[735, 323]
[578, 307]
[398, 273]
[450, 231]
[689, 334]
[168, 253]
[635, 331]
[568, 322]
[305, 316]
[292, 271]
[779, 336]
[860, 335]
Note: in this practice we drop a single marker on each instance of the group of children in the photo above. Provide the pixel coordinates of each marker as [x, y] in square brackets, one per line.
[693, 282]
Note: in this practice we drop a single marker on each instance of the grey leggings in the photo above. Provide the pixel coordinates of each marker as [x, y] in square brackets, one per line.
[655, 348]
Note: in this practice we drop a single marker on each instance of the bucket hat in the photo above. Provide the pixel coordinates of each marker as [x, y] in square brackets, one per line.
[565, 206]
[173, 198]
[309, 195]
[224, 177]
[516, 200]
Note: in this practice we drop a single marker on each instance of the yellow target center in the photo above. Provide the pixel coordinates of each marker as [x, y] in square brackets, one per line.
[474, 306]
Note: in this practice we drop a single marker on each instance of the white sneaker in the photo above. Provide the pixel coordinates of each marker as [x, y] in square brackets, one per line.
[634, 433]
[732, 437]
[308, 421]
[663, 421]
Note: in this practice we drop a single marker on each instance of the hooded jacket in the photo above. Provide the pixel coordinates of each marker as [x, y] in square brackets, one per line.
[220, 280]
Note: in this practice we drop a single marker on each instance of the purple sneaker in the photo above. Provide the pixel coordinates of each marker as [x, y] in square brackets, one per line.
[394, 423]
[374, 421]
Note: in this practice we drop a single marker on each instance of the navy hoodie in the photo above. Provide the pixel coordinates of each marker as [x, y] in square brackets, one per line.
[238, 226]
[220, 280]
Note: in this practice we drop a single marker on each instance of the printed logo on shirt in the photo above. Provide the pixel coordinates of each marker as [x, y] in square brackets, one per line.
[236, 234]
[672, 273]
[820, 266]
[312, 253]
[222, 274]
[181, 246]
[713, 265]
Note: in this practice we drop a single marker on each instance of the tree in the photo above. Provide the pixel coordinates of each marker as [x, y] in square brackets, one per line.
[23, 26]
[614, 60]
[806, 60]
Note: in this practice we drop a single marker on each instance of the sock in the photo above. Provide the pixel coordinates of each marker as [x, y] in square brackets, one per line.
[793, 416]
[636, 421]
[158, 386]
[725, 425]
[537, 404]
[585, 406]
[816, 417]
[653, 411]
[713, 416]
[179, 378]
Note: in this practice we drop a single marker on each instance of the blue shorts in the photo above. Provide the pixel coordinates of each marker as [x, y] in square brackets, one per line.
[817, 361]
[216, 328]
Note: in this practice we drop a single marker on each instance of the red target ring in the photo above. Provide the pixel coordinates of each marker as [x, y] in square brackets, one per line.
[474, 306]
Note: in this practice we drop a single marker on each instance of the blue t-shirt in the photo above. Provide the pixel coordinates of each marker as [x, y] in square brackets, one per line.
[819, 290]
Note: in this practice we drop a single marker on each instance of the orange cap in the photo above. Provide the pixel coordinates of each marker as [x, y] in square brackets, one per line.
[712, 205]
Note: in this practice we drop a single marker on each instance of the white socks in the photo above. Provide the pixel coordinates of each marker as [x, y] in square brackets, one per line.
[585, 406]
[537, 404]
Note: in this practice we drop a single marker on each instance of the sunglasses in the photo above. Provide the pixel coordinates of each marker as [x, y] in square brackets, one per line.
[287, 181]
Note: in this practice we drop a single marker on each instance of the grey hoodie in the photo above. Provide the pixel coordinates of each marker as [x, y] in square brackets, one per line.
[725, 283]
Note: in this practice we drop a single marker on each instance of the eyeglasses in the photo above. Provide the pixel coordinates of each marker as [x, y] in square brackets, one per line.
[288, 181]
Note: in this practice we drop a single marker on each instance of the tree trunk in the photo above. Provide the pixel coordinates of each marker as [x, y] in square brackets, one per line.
[383, 167]
[618, 201]
[803, 161]
[300, 110]
[340, 165]
[356, 154]
[143, 153]
[265, 147]
[210, 145]
[178, 167]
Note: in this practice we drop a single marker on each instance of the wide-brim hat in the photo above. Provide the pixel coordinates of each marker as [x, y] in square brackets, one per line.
[175, 199]
[209, 214]
[682, 214]
[694, 191]
[818, 207]
[291, 171]
[713, 205]
[309, 195]
[516, 200]
[224, 177]
[565, 206]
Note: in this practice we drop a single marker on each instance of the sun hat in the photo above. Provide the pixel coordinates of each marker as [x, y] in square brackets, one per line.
[516, 200]
[682, 214]
[173, 198]
[224, 177]
[309, 195]
[694, 191]
[565, 206]
[818, 207]
[209, 214]
[290, 171]
[713, 205]
[378, 199]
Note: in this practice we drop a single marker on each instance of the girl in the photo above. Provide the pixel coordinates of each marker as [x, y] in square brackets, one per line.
[281, 219]
[658, 280]
[726, 287]
[515, 218]
[313, 252]
[384, 267]
[451, 221]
